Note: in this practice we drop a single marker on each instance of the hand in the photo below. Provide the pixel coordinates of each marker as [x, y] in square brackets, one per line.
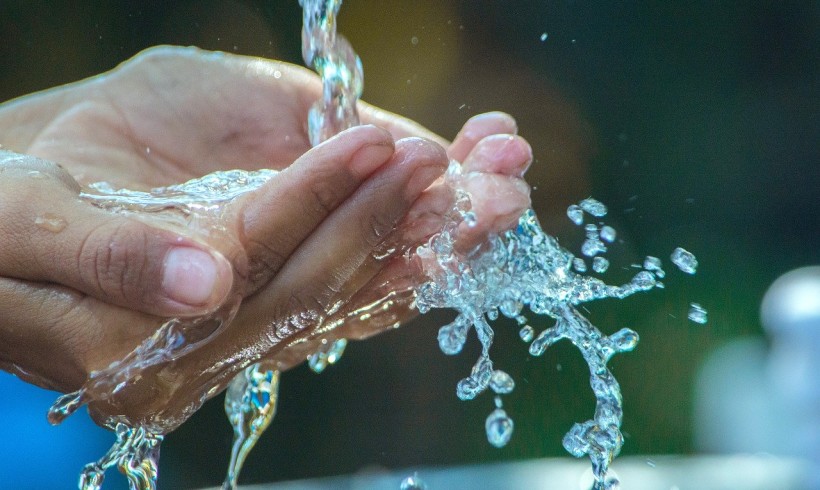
[299, 250]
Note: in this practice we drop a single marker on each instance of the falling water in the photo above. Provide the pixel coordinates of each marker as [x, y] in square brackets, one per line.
[522, 268]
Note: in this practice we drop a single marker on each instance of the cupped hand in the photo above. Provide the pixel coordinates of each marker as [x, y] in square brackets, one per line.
[309, 251]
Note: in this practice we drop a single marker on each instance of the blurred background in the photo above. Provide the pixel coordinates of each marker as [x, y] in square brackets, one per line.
[697, 123]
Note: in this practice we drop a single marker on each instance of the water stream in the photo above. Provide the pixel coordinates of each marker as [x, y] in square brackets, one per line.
[521, 271]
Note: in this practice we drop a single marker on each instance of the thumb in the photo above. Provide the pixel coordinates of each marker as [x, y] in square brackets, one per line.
[52, 236]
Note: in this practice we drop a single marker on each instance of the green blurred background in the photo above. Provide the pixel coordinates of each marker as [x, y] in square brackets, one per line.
[695, 122]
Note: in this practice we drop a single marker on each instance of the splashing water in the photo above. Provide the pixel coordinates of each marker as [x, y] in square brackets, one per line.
[190, 205]
[340, 69]
[523, 268]
[250, 403]
[527, 268]
[697, 313]
[136, 454]
[685, 260]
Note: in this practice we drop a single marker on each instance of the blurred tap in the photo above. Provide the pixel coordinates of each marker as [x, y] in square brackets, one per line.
[790, 313]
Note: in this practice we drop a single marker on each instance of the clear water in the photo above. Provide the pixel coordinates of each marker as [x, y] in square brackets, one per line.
[194, 205]
[250, 403]
[685, 260]
[523, 269]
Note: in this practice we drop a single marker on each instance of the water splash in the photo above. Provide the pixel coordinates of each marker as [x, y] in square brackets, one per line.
[685, 260]
[327, 354]
[136, 455]
[522, 268]
[250, 403]
[697, 313]
[193, 205]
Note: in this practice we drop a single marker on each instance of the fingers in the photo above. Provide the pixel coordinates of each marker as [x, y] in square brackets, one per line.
[54, 337]
[52, 236]
[278, 217]
[476, 129]
[503, 154]
[328, 268]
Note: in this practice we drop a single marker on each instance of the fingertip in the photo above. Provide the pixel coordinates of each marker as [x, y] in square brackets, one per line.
[428, 159]
[195, 280]
[367, 148]
[479, 127]
[500, 153]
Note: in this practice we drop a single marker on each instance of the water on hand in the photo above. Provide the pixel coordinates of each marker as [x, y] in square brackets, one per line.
[523, 268]
[342, 77]
[191, 205]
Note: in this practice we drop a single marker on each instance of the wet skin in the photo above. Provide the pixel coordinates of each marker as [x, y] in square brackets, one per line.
[303, 252]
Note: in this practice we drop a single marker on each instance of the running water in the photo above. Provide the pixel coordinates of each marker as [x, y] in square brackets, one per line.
[340, 69]
[522, 269]
[250, 403]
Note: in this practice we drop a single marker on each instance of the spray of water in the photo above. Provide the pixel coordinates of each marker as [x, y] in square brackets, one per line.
[523, 269]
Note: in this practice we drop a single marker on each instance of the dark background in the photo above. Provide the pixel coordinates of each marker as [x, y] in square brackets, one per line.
[695, 122]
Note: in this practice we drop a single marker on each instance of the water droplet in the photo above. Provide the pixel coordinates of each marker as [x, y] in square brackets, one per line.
[317, 362]
[543, 37]
[413, 482]
[499, 428]
[575, 214]
[469, 218]
[511, 309]
[592, 247]
[697, 313]
[414, 41]
[685, 260]
[600, 265]
[451, 338]
[608, 234]
[50, 222]
[644, 280]
[526, 333]
[501, 382]
[36, 174]
[624, 340]
[579, 265]
[277, 74]
[594, 207]
[337, 348]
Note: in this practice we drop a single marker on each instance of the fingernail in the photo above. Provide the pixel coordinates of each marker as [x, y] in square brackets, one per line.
[189, 275]
[368, 159]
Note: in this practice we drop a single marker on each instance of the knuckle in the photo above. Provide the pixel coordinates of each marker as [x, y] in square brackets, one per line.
[112, 260]
[265, 261]
[324, 193]
[376, 228]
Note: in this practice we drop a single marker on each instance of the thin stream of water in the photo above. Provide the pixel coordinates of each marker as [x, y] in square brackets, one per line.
[340, 69]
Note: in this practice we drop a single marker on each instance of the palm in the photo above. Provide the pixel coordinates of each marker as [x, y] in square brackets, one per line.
[174, 115]
[153, 127]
